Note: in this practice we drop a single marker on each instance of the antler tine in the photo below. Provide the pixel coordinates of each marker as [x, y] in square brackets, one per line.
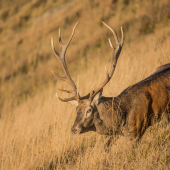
[122, 40]
[67, 44]
[110, 43]
[63, 78]
[61, 57]
[66, 99]
[115, 55]
[60, 41]
[72, 34]
[114, 33]
[67, 91]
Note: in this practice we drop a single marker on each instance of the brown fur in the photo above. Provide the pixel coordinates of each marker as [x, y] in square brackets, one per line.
[131, 112]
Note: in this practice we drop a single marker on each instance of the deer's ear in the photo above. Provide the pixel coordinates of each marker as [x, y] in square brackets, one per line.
[97, 97]
[73, 102]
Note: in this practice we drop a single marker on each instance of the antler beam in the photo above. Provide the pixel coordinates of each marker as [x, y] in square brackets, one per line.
[116, 52]
[67, 76]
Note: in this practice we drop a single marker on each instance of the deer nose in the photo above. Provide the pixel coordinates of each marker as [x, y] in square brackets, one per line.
[73, 131]
[76, 130]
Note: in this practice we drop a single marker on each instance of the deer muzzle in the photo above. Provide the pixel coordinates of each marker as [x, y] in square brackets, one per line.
[75, 131]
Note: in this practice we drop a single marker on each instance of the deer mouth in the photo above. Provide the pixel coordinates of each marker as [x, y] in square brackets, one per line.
[83, 130]
[76, 131]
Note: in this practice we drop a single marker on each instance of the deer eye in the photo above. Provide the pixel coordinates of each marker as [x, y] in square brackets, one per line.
[89, 110]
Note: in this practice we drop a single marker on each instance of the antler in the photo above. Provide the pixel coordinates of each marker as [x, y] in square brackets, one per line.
[115, 56]
[67, 77]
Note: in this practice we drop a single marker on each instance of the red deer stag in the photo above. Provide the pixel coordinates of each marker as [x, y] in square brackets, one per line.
[128, 114]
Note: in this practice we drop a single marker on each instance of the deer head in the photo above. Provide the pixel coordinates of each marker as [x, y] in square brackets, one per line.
[86, 105]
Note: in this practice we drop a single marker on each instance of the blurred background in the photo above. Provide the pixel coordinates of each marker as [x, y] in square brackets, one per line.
[27, 86]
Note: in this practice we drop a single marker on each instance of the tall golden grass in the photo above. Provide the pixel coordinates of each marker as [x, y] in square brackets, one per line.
[34, 125]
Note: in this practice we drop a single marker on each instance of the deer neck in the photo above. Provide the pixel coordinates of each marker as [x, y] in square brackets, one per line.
[107, 118]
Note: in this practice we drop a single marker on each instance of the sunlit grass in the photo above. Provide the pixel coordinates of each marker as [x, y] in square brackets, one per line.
[34, 125]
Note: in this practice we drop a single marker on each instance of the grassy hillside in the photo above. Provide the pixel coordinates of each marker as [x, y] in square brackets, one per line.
[27, 26]
[34, 125]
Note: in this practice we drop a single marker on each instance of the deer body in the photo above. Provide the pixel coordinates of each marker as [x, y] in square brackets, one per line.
[131, 112]
[128, 114]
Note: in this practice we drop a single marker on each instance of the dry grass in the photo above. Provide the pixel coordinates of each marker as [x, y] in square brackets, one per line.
[34, 125]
